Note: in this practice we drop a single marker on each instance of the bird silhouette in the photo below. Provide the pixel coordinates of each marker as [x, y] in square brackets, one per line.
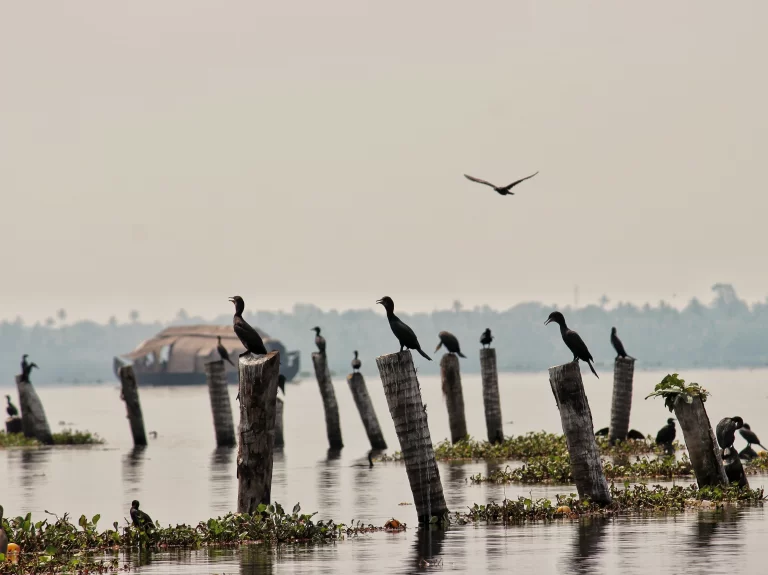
[486, 338]
[726, 432]
[450, 342]
[403, 333]
[617, 345]
[139, 518]
[11, 409]
[572, 340]
[319, 340]
[26, 368]
[223, 353]
[750, 436]
[666, 435]
[356, 363]
[248, 336]
[503, 190]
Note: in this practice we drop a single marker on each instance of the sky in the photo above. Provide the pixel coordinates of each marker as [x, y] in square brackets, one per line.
[166, 155]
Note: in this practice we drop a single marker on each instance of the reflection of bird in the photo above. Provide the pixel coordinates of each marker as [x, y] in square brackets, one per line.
[139, 518]
[248, 336]
[746, 432]
[26, 368]
[666, 435]
[403, 333]
[356, 363]
[450, 342]
[11, 409]
[503, 190]
[223, 353]
[572, 340]
[617, 345]
[726, 432]
[3, 536]
[319, 340]
[486, 338]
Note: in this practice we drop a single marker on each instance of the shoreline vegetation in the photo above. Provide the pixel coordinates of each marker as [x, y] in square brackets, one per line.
[64, 437]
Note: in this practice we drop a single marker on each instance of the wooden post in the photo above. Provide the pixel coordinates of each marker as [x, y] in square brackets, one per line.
[14, 425]
[130, 395]
[491, 401]
[221, 408]
[365, 407]
[454, 397]
[279, 439]
[401, 386]
[33, 420]
[258, 400]
[623, 370]
[700, 440]
[332, 421]
[576, 417]
[733, 468]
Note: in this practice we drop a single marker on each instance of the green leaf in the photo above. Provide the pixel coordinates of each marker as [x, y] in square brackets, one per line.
[95, 519]
[51, 550]
[261, 508]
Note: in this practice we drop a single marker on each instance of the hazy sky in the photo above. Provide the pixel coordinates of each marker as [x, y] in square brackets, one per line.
[159, 155]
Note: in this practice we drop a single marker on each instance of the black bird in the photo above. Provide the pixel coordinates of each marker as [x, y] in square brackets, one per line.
[3, 536]
[746, 432]
[223, 353]
[11, 409]
[486, 338]
[602, 432]
[319, 340]
[139, 518]
[636, 435]
[572, 340]
[617, 345]
[26, 368]
[503, 190]
[666, 435]
[281, 383]
[248, 336]
[403, 333]
[726, 432]
[748, 453]
[450, 342]
[356, 363]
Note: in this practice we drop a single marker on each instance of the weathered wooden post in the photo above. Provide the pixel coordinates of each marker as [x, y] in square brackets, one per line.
[365, 407]
[279, 439]
[14, 425]
[700, 440]
[401, 387]
[33, 420]
[576, 417]
[258, 401]
[332, 421]
[621, 405]
[130, 395]
[221, 408]
[491, 401]
[454, 397]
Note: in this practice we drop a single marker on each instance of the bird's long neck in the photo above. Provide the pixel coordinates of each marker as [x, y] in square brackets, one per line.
[564, 329]
[239, 309]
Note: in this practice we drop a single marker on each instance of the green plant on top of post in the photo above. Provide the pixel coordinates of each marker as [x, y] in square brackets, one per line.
[673, 389]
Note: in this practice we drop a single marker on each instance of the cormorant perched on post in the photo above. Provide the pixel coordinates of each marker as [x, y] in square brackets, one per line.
[726, 432]
[617, 345]
[356, 363]
[750, 436]
[666, 435]
[223, 353]
[139, 518]
[572, 340]
[11, 409]
[486, 338]
[26, 368]
[403, 333]
[319, 340]
[3, 536]
[248, 336]
[503, 190]
[450, 342]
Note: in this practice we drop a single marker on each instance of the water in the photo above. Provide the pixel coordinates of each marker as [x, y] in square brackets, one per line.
[182, 477]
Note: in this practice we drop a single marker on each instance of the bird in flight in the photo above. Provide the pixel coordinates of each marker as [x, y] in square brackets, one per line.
[503, 190]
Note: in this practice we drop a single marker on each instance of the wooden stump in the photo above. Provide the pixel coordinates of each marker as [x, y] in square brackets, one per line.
[401, 387]
[221, 408]
[733, 468]
[621, 405]
[454, 397]
[33, 420]
[332, 421]
[365, 407]
[700, 440]
[130, 395]
[576, 417]
[279, 439]
[258, 399]
[491, 400]
[14, 425]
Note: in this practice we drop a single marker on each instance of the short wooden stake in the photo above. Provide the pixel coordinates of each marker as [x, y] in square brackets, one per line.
[454, 397]
[491, 401]
[703, 449]
[130, 395]
[365, 407]
[576, 417]
[332, 421]
[33, 420]
[621, 405]
[258, 399]
[14, 425]
[401, 387]
[279, 438]
[221, 408]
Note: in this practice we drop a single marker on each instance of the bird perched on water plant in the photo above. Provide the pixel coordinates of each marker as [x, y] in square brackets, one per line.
[26, 368]
[750, 436]
[502, 190]
[450, 342]
[248, 336]
[617, 345]
[11, 409]
[572, 340]
[726, 432]
[403, 333]
[223, 353]
[319, 340]
[486, 338]
[356, 363]
[666, 435]
[139, 518]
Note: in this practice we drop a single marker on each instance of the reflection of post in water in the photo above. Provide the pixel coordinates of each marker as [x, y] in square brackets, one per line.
[133, 467]
[328, 480]
[428, 546]
[138, 557]
[256, 560]
[33, 472]
[724, 523]
[587, 545]
[221, 478]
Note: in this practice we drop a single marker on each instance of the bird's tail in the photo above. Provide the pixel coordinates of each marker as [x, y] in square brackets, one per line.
[230, 362]
[593, 369]
[461, 354]
[761, 445]
[424, 354]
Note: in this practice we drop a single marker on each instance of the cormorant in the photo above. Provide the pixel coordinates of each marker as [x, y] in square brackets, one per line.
[503, 190]
[617, 345]
[356, 363]
[223, 353]
[3, 536]
[636, 435]
[26, 368]
[572, 340]
[746, 432]
[319, 340]
[486, 338]
[139, 518]
[666, 435]
[601, 432]
[248, 336]
[403, 333]
[450, 342]
[726, 432]
[748, 453]
[281, 383]
[11, 409]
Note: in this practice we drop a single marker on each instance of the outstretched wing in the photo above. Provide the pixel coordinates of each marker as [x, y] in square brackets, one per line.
[479, 181]
[513, 184]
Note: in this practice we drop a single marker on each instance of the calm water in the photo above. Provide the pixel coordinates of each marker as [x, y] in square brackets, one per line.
[182, 477]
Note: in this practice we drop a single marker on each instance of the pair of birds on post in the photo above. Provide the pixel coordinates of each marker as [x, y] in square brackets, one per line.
[725, 432]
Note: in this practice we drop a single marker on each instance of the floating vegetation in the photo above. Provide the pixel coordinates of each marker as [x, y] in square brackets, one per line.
[17, 440]
[66, 437]
[673, 389]
[757, 465]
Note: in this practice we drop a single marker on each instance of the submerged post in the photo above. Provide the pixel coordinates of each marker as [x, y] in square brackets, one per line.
[332, 421]
[576, 417]
[621, 405]
[491, 401]
[454, 397]
[700, 440]
[130, 395]
[401, 386]
[258, 399]
[365, 407]
[33, 420]
[221, 408]
[279, 439]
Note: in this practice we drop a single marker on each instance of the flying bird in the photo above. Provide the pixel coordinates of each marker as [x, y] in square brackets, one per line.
[139, 518]
[726, 432]
[666, 435]
[11, 409]
[356, 363]
[572, 340]
[503, 190]
[248, 336]
[617, 345]
[746, 432]
[450, 342]
[403, 333]
[486, 338]
[319, 340]
[223, 353]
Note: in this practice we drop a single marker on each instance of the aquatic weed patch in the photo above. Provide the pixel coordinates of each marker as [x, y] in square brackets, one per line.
[65, 437]
[17, 440]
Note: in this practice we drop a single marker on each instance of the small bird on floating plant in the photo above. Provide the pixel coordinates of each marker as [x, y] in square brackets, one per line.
[750, 436]
[223, 353]
[11, 409]
[486, 338]
[319, 340]
[666, 435]
[139, 518]
[617, 345]
[356, 363]
[26, 368]
[572, 340]
[248, 336]
[403, 333]
[726, 432]
[503, 190]
[450, 342]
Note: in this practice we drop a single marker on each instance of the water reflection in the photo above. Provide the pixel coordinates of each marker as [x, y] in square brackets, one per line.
[364, 484]
[328, 480]
[256, 560]
[428, 548]
[33, 464]
[138, 558]
[716, 533]
[133, 471]
[221, 478]
[588, 545]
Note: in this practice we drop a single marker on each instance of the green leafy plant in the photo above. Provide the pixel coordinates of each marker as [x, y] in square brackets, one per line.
[673, 389]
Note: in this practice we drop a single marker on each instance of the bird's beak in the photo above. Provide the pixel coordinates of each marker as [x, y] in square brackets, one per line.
[546, 322]
[379, 301]
[232, 299]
